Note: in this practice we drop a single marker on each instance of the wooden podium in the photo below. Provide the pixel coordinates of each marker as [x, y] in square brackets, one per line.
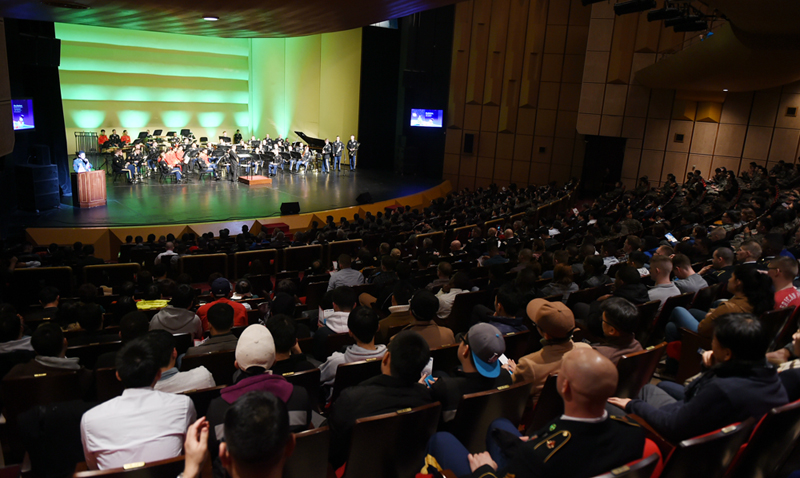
[89, 189]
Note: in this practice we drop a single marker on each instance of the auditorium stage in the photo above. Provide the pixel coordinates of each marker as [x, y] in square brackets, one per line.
[151, 203]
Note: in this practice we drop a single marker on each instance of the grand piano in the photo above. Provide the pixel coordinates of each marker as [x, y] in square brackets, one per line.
[315, 144]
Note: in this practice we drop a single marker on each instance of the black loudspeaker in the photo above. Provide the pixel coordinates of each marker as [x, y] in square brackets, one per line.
[469, 142]
[364, 198]
[290, 208]
[37, 186]
[40, 154]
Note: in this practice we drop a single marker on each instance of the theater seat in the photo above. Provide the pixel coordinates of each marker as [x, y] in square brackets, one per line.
[643, 468]
[708, 455]
[169, 468]
[306, 462]
[220, 364]
[636, 370]
[350, 374]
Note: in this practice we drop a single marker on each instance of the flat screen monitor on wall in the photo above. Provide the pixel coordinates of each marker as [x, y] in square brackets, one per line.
[427, 118]
[22, 114]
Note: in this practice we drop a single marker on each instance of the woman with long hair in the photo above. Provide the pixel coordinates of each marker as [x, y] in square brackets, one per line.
[752, 294]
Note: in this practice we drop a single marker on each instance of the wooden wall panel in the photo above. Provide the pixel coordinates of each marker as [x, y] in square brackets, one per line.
[493, 86]
[479, 50]
[534, 47]
[515, 58]
[622, 43]
[647, 35]
[459, 66]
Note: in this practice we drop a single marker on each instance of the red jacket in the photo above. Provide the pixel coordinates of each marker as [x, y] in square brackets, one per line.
[239, 312]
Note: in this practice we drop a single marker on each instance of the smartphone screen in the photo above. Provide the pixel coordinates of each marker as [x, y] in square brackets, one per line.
[670, 237]
[428, 370]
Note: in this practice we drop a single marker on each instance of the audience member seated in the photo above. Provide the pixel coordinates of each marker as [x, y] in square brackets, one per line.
[660, 269]
[362, 324]
[172, 380]
[344, 300]
[752, 294]
[221, 289]
[396, 388]
[49, 298]
[738, 384]
[458, 284]
[638, 260]
[555, 324]
[12, 331]
[255, 356]
[721, 267]
[687, 280]
[595, 271]
[492, 256]
[177, 317]
[221, 339]
[141, 425]
[443, 273]
[479, 351]
[399, 311]
[508, 315]
[345, 276]
[584, 441]
[562, 283]
[288, 356]
[258, 441]
[620, 319]
[423, 307]
[748, 255]
[152, 298]
[132, 325]
[782, 270]
[90, 323]
[50, 345]
[243, 291]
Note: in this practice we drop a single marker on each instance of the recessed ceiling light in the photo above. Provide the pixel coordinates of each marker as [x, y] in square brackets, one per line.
[724, 89]
[210, 18]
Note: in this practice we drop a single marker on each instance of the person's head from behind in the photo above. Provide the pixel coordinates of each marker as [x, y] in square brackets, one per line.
[90, 317]
[153, 292]
[553, 320]
[628, 275]
[660, 267]
[48, 341]
[722, 257]
[257, 438]
[133, 325]
[593, 265]
[423, 305]
[754, 285]
[220, 318]
[163, 344]
[407, 355]
[620, 317]
[48, 296]
[739, 337]
[255, 350]
[344, 299]
[344, 261]
[284, 332]
[682, 266]
[402, 292]
[183, 297]
[509, 300]
[586, 380]
[362, 324]
[137, 365]
[562, 274]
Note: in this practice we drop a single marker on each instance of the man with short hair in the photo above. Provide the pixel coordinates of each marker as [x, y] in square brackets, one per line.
[748, 254]
[255, 356]
[782, 270]
[132, 325]
[737, 384]
[555, 324]
[620, 319]
[423, 306]
[687, 280]
[221, 289]
[394, 389]
[142, 425]
[221, 339]
[166, 256]
[584, 441]
[721, 267]
[525, 258]
[346, 276]
[660, 269]
[177, 317]
[172, 380]
[507, 315]
[288, 356]
[443, 273]
[479, 351]
[344, 300]
[362, 324]
[258, 439]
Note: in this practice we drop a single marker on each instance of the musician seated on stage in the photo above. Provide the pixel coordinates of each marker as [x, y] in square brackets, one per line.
[125, 138]
[168, 165]
[120, 165]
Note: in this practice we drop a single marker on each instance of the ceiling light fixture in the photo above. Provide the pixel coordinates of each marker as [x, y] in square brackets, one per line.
[210, 18]
[724, 89]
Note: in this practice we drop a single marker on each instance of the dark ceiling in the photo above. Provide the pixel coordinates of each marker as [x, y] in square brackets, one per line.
[237, 18]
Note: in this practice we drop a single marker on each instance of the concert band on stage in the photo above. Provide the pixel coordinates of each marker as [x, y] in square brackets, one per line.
[178, 156]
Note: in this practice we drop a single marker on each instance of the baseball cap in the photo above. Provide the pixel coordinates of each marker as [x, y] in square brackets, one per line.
[255, 348]
[487, 345]
[553, 318]
[220, 286]
[424, 305]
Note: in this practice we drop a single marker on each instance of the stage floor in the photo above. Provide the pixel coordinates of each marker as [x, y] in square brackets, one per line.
[151, 203]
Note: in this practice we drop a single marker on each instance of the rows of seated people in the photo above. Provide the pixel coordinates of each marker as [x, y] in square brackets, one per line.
[397, 307]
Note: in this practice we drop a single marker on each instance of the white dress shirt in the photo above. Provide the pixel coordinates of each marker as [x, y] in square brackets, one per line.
[173, 381]
[141, 425]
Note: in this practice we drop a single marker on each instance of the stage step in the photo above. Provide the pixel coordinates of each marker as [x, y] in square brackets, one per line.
[255, 180]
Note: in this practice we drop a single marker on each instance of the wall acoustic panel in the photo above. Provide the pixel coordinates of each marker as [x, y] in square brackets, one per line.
[512, 74]
[459, 66]
[479, 50]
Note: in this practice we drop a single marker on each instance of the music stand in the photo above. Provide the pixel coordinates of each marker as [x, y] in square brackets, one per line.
[142, 135]
[158, 132]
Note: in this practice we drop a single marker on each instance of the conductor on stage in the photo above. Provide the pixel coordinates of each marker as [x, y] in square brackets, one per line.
[352, 147]
[338, 148]
[81, 164]
[326, 156]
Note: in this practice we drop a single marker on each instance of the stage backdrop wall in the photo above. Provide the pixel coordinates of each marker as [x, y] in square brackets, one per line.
[137, 80]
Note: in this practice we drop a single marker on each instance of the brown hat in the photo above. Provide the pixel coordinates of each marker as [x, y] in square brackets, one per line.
[553, 318]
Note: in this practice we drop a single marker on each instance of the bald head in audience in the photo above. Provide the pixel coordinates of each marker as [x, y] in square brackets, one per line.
[585, 382]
